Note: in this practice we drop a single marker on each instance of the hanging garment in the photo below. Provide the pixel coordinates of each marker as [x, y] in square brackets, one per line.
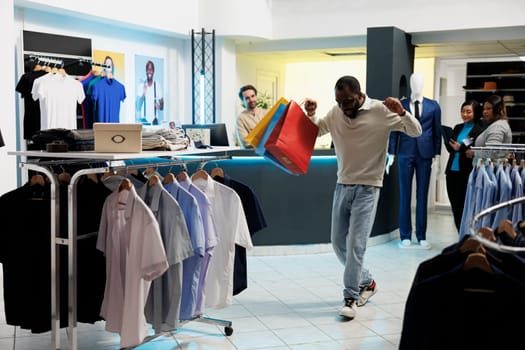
[232, 229]
[27, 269]
[164, 299]
[446, 298]
[108, 94]
[58, 96]
[256, 222]
[129, 236]
[210, 236]
[31, 107]
[25, 214]
[191, 265]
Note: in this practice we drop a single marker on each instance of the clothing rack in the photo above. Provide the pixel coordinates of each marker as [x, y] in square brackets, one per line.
[488, 211]
[114, 162]
[49, 60]
[496, 148]
[499, 148]
[71, 60]
[93, 63]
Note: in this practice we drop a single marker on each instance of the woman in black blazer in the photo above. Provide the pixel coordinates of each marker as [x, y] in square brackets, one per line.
[458, 165]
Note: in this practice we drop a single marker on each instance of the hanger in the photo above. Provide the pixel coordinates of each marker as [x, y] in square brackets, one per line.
[169, 178]
[93, 177]
[153, 180]
[477, 261]
[487, 233]
[505, 227]
[217, 172]
[183, 175]
[64, 177]
[471, 245]
[199, 174]
[37, 66]
[125, 185]
[480, 163]
[149, 171]
[37, 180]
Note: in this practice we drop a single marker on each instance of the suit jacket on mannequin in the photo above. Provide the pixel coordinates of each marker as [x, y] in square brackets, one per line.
[428, 145]
[415, 155]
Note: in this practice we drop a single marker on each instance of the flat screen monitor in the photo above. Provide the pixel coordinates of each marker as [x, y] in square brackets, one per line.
[208, 134]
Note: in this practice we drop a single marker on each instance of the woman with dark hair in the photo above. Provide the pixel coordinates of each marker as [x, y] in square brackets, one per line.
[459, 166]
[498, 129]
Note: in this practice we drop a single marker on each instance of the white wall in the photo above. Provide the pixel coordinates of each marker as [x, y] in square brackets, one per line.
[227, 87]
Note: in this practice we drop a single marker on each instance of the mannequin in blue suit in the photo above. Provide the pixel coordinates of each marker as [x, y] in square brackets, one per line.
[415, 154]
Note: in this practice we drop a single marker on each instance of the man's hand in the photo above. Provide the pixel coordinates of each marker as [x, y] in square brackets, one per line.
[394, 105]
[310, 105]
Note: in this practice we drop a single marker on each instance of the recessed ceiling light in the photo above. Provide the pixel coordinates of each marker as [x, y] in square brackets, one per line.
[338, 54]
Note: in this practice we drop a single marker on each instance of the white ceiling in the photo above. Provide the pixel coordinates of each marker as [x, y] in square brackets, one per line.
[495, 42]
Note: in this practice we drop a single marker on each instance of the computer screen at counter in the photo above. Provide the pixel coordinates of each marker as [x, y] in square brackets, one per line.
[209, 134]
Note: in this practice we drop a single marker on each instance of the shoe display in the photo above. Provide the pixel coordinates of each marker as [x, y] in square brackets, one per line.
[349, 308]
[424, 244]
[406, 243]
[366, 293]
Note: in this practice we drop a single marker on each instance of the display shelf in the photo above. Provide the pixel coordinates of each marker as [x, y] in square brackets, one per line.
[122, 156]
[503, 78]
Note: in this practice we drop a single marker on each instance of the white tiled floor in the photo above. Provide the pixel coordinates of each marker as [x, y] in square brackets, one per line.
[292, 302]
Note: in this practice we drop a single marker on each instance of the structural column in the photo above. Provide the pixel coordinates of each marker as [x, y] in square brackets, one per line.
[389, 64]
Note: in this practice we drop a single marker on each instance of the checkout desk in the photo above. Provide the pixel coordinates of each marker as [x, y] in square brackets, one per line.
[298, 208]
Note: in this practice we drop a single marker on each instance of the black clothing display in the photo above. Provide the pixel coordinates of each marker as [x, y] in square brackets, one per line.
[26, 257]
[31, 107]
[454, 305]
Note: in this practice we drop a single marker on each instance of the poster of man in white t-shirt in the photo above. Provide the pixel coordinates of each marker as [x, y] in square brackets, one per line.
[149, 106]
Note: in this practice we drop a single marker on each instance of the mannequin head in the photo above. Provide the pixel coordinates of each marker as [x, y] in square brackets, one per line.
[416, 86]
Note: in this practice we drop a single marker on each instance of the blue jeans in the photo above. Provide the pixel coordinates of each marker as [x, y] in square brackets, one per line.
[353, 213]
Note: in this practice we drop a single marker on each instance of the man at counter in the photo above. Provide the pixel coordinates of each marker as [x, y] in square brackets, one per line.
[360, 127]
[251, 115]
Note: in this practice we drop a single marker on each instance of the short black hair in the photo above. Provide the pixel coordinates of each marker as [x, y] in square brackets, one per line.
[152, 65]
[349, 81]
[245, 88]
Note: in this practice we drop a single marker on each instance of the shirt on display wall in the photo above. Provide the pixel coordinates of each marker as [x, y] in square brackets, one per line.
[103, 90]
[58, 95]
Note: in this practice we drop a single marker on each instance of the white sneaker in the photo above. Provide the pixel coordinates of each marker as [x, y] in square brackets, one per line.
[406, 243]
[349, 308]
[424, 244]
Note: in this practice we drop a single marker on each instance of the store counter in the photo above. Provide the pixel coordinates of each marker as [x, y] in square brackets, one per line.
[298, 208]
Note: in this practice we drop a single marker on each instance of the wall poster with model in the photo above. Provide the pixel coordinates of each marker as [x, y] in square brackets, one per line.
[149, 94]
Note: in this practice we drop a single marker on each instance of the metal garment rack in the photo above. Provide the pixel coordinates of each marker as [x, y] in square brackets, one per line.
[486, 150]
[489, 243]
[114, 163]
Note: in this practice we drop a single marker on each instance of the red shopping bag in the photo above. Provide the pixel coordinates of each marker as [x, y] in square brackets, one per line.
[261, 150]
[292, 140]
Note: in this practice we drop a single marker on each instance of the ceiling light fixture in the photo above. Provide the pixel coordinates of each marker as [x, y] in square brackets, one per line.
[339, 54]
